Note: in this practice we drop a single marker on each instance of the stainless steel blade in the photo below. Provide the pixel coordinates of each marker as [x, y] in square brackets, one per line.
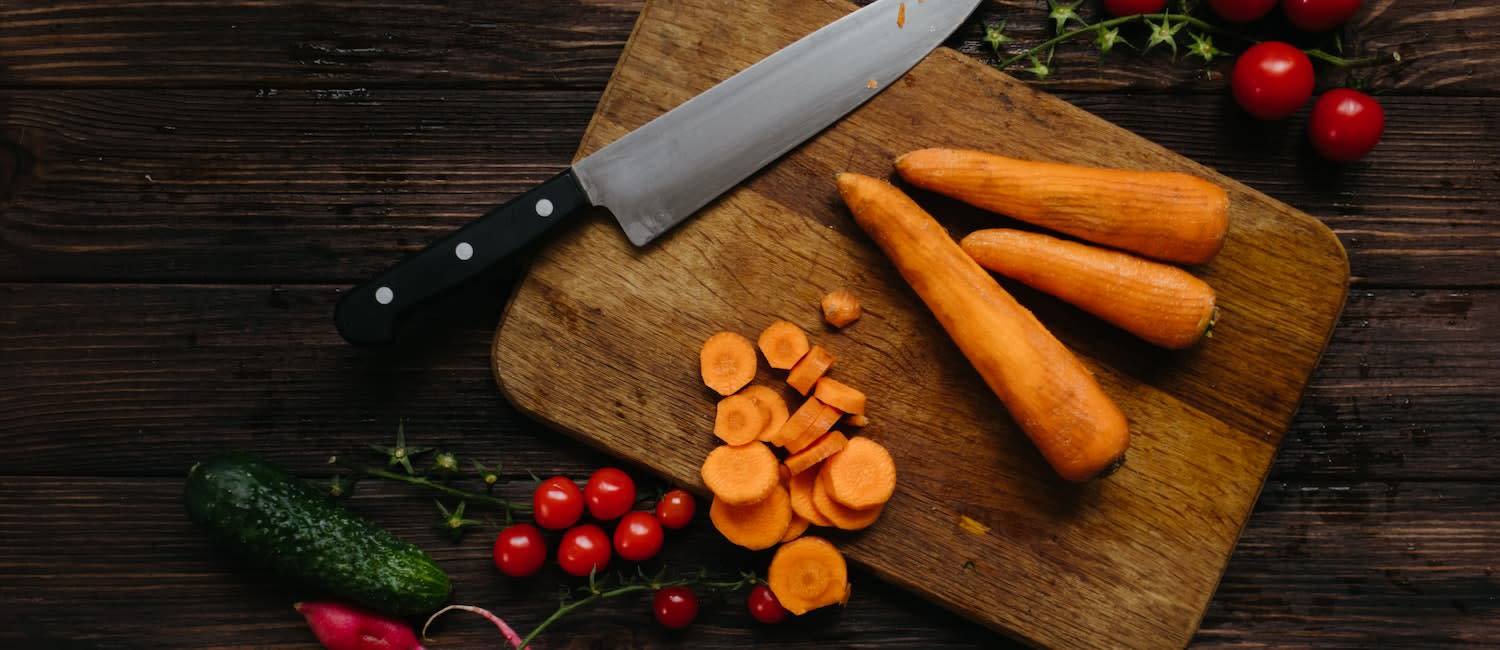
[657, 175]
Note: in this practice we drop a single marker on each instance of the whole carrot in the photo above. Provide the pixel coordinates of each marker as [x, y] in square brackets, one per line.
[1168, 216]
[1053, 397]
[1157, 302]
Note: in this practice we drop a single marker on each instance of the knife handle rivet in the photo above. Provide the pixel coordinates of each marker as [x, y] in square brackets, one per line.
[384, 295]
[544, 208]
[463, 251]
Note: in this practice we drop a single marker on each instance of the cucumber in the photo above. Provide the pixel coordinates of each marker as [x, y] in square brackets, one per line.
[276, 521]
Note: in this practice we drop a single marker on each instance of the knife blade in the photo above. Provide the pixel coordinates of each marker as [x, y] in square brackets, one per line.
[663, 172]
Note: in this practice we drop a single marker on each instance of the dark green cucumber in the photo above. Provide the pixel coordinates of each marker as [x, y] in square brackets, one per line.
[277, 521]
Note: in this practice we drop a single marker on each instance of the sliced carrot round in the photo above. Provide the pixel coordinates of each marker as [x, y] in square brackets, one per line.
[839, 395]
[739, 419]
[841, 516]
[756, 526]
[800, 487]
[727, 362]
[807, 573]
[774, 405]
[741, 474]
[783, 343]
[862, 475]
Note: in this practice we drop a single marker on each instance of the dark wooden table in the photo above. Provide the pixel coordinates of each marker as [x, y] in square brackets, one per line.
[185, 189]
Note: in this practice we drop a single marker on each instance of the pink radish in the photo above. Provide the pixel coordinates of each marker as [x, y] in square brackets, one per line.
[341, 626]
[510, 634]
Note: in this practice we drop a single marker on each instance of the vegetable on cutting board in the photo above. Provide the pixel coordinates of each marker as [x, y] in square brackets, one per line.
[1169, 216]
[727, 362]
[271, 518]
[840, 308]
[1159, 303]
[783, 343]
[1054, 398]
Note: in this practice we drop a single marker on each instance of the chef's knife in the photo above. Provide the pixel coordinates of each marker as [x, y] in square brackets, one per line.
[661, 173]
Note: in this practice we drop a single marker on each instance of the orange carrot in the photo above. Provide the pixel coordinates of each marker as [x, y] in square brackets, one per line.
[839, 395]
[756, 526]
[741, 474]
[783, 343]
[826, 445]
[823, 420]
[808, 573]
[1050, 393]
[1169, 216]
[841, 516]
[840, 308]
[798, 526]
[856, 420]
[808, 369]
[1160, 303]
[739, 419]
[800, 487]
[798, 422]
[727, 362]
[772, 403]
[862, 475]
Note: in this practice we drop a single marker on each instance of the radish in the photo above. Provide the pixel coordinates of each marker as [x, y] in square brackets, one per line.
[510, 634]
[341, 626]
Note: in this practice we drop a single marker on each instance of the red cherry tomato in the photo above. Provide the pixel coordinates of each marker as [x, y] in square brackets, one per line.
[675, 607]
[1241, 11]
[1271, 80]
[675, 510]
[610, 493]
[764, 606]
[638, 536]
[583, 550]
[1345, 124]
[520, 550]
[1133, 7]
[1318, 15]
[557, 503]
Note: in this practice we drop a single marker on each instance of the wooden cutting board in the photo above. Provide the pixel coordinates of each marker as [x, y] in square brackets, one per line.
[600, 341]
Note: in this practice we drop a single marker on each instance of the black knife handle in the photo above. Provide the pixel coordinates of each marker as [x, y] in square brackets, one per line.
[369, 313]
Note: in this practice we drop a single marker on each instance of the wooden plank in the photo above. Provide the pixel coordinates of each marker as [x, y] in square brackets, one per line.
[1404, 391]
[1141, 550]
[574, 44]
[310, 185]
[288, 43]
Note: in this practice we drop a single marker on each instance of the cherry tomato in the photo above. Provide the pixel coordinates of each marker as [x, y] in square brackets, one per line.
[638, 536]
[1271, 80]
[520, 550]
[1318, 15]
[583, 550]
[557, 503]
[675, 510]
[675, 607]
[610, 493]
[1133, 7]
[1345, 124]
[764, 606]
[1241, 11]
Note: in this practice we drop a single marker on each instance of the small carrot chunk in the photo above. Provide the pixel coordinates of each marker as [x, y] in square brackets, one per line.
[822, 423]
[772, 403]
[839, 395]
[840, 308]
[796, 423]
[756, 526]
[808, 573]
[800, 487]
[741, 474]
[862, 475]
[783, 343]
[806, 372]
[727, 362]
[841, 516]
[856, 420]
[798, 526]
[826, 445]
[739, 419]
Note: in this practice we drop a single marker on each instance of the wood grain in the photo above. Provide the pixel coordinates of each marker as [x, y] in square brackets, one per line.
[1143, 549]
